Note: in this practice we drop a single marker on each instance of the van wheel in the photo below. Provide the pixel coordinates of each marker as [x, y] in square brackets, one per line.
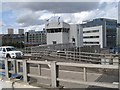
[8, 56]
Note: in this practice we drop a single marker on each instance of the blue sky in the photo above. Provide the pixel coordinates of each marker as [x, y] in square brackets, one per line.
[34, 15]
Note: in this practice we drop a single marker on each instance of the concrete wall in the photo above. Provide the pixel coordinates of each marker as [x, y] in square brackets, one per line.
[58, 37]
[54, 37]
[65, 37]
[76, 32]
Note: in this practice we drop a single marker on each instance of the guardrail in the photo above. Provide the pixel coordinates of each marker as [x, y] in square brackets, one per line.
[78, 56]
[54, 68]
[50, 47]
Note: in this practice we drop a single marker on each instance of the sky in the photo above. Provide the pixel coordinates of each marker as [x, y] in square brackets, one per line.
[33, 15]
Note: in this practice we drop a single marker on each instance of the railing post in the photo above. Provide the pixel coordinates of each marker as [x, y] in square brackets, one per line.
[111, 60]
[119, 69]
[39, 69]
[25, 71]
[7, 68]
[18, 66]
[14, 66]
[85, 74]
[54, 74]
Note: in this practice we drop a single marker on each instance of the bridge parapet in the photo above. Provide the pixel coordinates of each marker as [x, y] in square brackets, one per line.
[54, 69]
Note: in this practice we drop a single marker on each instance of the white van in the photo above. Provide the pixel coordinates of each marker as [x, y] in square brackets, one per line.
[10, 52]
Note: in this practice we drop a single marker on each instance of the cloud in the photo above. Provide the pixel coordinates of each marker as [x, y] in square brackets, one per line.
[1, 23]
[36, 13]
[34, 27]
[56, 7]
[30, 18]
[33, 15]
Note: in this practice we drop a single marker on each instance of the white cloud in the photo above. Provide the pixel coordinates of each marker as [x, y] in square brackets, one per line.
[34, 27]
[33, 16]
[1, 24]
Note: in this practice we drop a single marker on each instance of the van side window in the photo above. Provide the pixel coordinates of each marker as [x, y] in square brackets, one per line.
[0, 49]
[4, 50]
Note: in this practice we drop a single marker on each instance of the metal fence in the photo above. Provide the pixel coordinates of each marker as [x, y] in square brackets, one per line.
[95, 58]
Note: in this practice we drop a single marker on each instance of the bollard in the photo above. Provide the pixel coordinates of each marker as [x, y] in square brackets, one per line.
[54, 74]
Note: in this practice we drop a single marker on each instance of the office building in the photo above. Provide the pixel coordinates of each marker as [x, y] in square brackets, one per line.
[93, 36]
[118, 36]
[33, 38]
[118, 27]
[20, 31]
[101, 32]
[61, 32]
[76, 35]
[10, 31]
[16, 40]
[0, 39]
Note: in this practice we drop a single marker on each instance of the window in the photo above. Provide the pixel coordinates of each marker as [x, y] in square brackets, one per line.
[90, 31]
[91, 42]
[4, 50]
[91, 37]
[10, 49]
[78, 31]
[54, 42]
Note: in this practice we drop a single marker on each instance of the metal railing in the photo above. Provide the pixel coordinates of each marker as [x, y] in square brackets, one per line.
[79, 56]
[50, 47]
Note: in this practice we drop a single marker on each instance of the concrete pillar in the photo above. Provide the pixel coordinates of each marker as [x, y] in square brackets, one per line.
[85, 74]
[111, 60]
[39, 69]
[18, 66]
[7, 68]
[54, 74]
[25, 71]
[119, 69]
[14, 66]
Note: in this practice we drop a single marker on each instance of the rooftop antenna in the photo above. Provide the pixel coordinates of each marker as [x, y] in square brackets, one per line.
[47, 22]
[58, 20]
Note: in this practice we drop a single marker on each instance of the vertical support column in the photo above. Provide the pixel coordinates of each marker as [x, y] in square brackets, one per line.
[119, 69]
[7, 68]
[66, 54]
[85, 74]
[79, 54]
[14, 66]
[18, 66]
[111, 60]
[25, 71]
[39, 69]
[54, 74]
[74, 54]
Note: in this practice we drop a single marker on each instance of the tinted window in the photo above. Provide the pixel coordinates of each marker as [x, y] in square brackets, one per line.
[10, 49]
[4, 50]
[0, 49]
